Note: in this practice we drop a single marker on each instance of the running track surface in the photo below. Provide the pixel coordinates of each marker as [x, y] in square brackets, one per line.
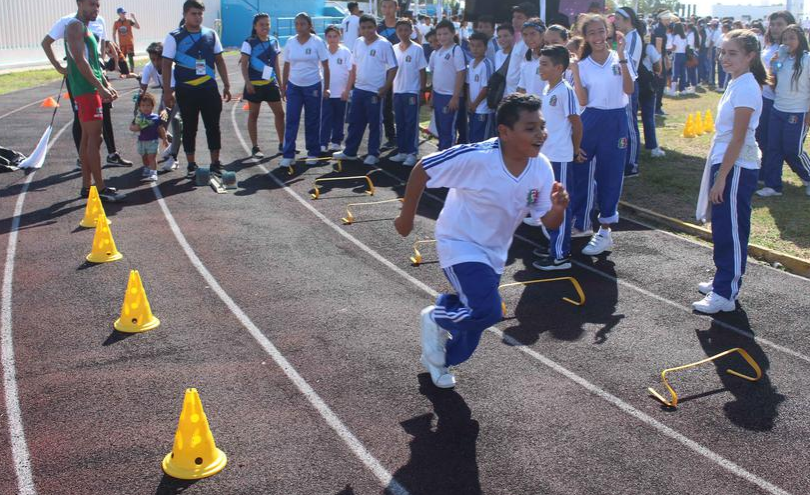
[554, 402]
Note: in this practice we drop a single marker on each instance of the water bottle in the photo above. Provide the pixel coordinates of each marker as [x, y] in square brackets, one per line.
[782, 56]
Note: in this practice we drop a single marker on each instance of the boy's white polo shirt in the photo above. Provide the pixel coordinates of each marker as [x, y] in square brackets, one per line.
[351, 30]
[486, 203]
[530, 77]
[605, 83]
[411, 62]
[372, 61]
[340, 65]
[478, 79]
[445, 63]
[559, 103]
[305, 60]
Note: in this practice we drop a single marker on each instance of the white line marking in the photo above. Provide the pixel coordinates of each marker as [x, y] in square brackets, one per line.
[19, 447]
[18, 110]
[594, 389]
[326, 413]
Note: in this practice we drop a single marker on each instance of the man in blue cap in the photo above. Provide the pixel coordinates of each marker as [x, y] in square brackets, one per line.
[122, 29]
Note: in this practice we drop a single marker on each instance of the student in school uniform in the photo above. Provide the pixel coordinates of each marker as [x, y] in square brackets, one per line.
[778, 22]
[604, 80]
[530, 81]
[520, 14]
[562, 147]
[305, 55]
[409, 85]
[333, 115]
[732, 169]
[260, 69]
[486, 25]
[493, 186]
[627, 22]
[372, 76]
[448, 65]
[478, 73]
[789, 115]
[678, 45]
[651, 62]
[506, 40]
[350, 27]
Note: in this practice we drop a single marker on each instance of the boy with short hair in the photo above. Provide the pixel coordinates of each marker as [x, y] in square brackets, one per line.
[409, 83]
[562, 146]
[351, 25]
[493, 186]
[506, 40]
[372, 76]
[149, 128]
[448, 65]
[478, 73]
[486, 25]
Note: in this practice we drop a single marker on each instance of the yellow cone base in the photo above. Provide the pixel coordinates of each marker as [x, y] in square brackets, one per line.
[104, 258]
[204, 471]
[91, 224]
[134, 327]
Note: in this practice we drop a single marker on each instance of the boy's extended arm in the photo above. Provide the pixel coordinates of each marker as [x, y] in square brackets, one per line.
[413, 193]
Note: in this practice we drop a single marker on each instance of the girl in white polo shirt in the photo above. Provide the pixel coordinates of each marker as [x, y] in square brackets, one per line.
[333, 114]
[448, 65]
[409, 84]
[789, 116]
[530, 81]
[304, 56]
[732, 169]
[603, 80]
[777, 22]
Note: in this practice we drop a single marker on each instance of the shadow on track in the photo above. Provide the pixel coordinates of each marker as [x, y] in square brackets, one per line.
[443, 457]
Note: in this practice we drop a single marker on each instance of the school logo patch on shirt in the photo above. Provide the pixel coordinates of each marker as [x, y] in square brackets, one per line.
[408, 59]
[340, 61]
[617, 70]
[553, 101]
[372, 53]
[532, 197]
[477, 77]
[622, 143]
[793, 119]
[308, 51]
[447, 57]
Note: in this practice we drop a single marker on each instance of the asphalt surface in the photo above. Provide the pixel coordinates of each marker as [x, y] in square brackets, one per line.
[553, 402]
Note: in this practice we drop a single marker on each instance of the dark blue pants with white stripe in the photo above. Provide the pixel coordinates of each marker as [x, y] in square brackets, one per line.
[648, 120]
[309, 99]
[480, 127]
[604, 141]
[333, 118]
[679, 70]
[786, 135]
[763, 128]
[365, 110]
[633, 150]
[447, 121]
[731, 226]
[406, 115]
[559, 244]
[474, 307]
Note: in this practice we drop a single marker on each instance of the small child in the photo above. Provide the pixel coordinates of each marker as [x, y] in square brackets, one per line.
[478, 73]
[409, 83]
[333, 115]
[448, 65]
[148, 125]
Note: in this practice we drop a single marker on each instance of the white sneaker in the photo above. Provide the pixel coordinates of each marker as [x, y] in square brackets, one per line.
[152, 176]
[767, 192]
[598, 244]
[714, 303]
[333, 147]
[399, 157]
[705, 287]
[286, 162]
[169, 165]
[323, 149]
[575, 233]
[413, 160]
[433, 338]
[657, 153]
[343, 156]
[313, 160]
[144, 171]
[166, 154]
[439, 375]
[371, 160]
[807, 188]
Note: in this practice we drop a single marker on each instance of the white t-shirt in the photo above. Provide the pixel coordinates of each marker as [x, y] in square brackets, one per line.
[423, 28]
[767, 54]
[653, 57]
[678, 44]
[372, 62]
[97, 27]
[513, 75]
[486, 203]
[559, 103]
[634, 45]
[790, 97]
[530, 77]
[445, 63]
[351, 30]
[690, 40]
[741, 92]
[477, 79]
[717, 38]
[305, 60]
[605, 83]
[500, 58]
[411, 62]
[340, 65]
[150, 75]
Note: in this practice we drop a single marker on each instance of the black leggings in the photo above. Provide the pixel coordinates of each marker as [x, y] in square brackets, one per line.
[106, 129]
[196, 101]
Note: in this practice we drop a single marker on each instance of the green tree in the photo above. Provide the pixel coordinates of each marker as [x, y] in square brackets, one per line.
[651, 6]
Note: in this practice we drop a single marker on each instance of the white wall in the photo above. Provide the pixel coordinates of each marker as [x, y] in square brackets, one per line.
[739, 12]
[23, 24]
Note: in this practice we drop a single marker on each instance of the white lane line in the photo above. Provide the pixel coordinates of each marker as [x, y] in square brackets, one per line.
[553, 365]
[19, 447]
[18, 110]
[383, 475]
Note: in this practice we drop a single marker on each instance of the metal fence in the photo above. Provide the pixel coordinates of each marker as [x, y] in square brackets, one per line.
[284, 27]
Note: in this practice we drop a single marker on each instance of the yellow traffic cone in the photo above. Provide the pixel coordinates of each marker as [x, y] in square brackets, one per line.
[708, 122]
[688, 128]
[136, 314]
[104, 249]
[194, 454]
[93, 209]
[698, 124]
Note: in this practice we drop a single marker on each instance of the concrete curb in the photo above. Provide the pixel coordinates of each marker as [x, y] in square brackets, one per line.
[792, 264]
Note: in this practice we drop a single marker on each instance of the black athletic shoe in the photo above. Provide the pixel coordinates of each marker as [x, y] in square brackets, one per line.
[216, 168]
[541, 251]
[115, 160]
[549, 264]
[191, 168]
[84, 192]
[110, 195]
[631, 173]
[660, 113]
[388, 145]
[257, 152]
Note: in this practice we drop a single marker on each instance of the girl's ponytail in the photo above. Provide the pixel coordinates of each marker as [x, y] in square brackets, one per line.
[748, 43]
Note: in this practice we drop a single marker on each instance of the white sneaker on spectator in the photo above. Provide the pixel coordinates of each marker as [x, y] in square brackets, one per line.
[169, 165]
[598, 244]
[657, 153]
[705, 287]
[286, 162]
[312, 160]
[371, 160]
[714, 303]
[767, 192]
[166, 154]
[333, 147]
[399, 157]
[343, 156]
[413, 160]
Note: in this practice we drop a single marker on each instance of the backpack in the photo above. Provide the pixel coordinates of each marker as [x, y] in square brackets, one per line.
[496, 86]
[646, 79]
[10, 160]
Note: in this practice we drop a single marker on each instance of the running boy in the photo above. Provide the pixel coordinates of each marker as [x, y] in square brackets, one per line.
[409, 84]
[478, 73]
[149, 127]
[448, 66]
[375, 67]
[564, 128]
[493, 186]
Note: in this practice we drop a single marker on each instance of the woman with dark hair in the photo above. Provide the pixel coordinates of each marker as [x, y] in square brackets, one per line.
[777, 22]
[678, 49]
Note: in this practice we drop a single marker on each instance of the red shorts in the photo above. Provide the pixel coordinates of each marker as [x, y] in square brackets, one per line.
[89, 107]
